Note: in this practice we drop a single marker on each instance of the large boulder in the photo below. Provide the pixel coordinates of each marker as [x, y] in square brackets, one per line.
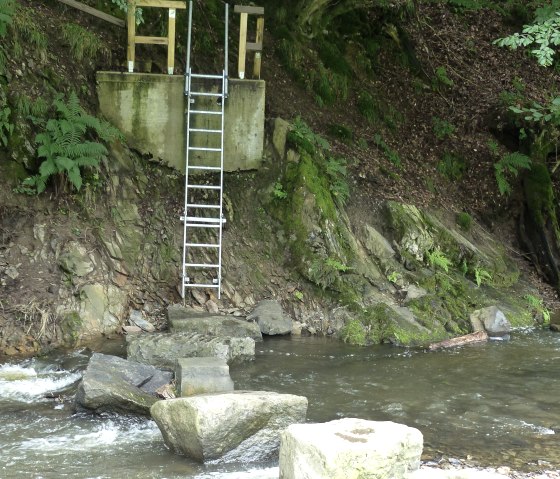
[271, 319]
[113, 384]
[494, 321]
[242, 426]
[349, 449]
[163, 349]
[183, 320]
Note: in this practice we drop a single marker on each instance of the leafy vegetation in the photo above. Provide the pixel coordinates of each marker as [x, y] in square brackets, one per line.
[442, 128]
[64, 147]
[509, 166]
[452, 166]
[543, 35]
[537, 305]
[83, 43]
[464, 220]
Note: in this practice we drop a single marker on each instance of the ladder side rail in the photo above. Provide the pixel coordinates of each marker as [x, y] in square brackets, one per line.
[188, 60]
[226, 55]
[220, 231]
[187, 141]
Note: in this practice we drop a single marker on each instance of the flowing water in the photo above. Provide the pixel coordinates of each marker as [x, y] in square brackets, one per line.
[496, 404]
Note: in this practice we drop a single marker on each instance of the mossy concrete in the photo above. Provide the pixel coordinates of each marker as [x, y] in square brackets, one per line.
[150, 110]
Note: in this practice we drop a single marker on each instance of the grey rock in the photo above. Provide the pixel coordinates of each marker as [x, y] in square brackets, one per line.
[494, 321]
[202, 376]
[113, 384]
[242, 426]
[189, 321]
[163, 349]
[75, 259]
[349, 448]
[376, 244]
[270, 317]
[136, 319]
[414, 292]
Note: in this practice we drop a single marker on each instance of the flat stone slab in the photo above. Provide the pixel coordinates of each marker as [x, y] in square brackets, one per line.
[183, 320]
[163, 349]
[243, 426]
[202, 376]
[349, 449]
[113, 384]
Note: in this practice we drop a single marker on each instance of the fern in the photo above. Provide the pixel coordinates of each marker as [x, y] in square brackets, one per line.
[65, 149]
[6, 128]
[510, 165]
[481, 276]
[437, 259]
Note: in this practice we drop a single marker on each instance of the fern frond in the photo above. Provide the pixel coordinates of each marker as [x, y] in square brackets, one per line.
[75, 177]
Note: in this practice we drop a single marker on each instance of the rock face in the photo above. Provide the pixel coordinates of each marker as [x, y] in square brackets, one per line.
[163, 349]
[240, 426]
[270, 317]
[202, 376]
[182, 320]
[349, 449]
[493, 320]
[113, 384]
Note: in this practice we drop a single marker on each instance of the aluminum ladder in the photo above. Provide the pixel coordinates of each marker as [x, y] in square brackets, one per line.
[203, 217]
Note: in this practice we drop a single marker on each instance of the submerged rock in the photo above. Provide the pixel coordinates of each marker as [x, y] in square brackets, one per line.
[242, 426]
[271, 319]
[349, 449]
[113, 384]
[163, 349]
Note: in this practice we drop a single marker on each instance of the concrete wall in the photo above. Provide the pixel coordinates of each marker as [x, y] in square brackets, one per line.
[150, 111]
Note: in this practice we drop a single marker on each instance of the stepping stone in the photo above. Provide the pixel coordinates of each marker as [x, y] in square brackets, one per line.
[202, 376]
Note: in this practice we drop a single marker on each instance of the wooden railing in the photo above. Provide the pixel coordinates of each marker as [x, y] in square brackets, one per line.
[169, 40]
[244, 45]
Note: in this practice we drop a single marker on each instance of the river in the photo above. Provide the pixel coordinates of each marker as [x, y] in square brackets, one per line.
[495, 404]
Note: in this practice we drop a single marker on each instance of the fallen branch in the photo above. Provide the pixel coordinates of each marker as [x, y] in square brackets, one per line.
[94, 12]
[478, 337]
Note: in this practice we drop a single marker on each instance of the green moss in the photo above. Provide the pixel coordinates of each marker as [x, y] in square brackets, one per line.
[354, 332]
[333, 58]
[342, 132]
[70, 326]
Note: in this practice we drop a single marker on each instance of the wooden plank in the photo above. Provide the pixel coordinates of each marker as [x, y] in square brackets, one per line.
[248, 9]
[478, 337]
[258, 40]
[162, 4]
[94, 12]
[171, 42]
[130, 52]
[242, 45]
[253, 47]
[152, 40]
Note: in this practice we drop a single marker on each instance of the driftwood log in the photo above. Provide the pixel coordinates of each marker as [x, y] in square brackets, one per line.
[478, 337]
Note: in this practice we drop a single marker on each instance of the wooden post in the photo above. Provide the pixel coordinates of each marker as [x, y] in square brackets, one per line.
[242, 45]
[258, 39]
[131, 20]
[171, 42]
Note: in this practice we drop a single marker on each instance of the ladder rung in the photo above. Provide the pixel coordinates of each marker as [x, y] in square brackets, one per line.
[202, 225]
[201, 75]
[198, 205]
[196, 285]
[205, 112]
[202, 245]
[203, 130]
[204, 187]
[204, 148]
[203, 219]
[200, 167]
[202, 265]
[202, 93]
